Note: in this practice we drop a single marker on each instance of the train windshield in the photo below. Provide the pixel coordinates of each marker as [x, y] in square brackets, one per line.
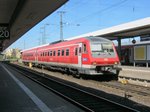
[102, 49]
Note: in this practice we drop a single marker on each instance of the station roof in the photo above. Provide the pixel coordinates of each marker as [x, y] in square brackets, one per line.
[130, 29]
[22, 15]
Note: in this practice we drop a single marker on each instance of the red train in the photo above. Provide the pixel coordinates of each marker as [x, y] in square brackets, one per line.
[88, 55]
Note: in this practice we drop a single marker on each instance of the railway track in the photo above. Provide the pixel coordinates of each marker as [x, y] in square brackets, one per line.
[85, 100]
[140, 90]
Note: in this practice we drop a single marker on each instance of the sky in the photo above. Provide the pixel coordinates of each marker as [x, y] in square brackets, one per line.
[84, 16]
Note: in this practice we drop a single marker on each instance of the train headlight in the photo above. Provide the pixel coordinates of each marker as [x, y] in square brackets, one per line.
[115, 63]
[94, 63]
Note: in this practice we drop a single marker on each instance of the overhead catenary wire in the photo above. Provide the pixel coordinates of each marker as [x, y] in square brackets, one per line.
[100, 11]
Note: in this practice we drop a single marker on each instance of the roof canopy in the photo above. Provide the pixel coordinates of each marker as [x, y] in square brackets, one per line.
[22, 15]
[131, 29]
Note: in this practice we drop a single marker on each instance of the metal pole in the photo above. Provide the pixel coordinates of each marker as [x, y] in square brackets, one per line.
[146, 64]
[61, 24]
[119, 47]
[61, 27]
[44, 35]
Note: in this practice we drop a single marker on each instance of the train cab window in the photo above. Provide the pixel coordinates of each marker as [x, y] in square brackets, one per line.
[67, 52]
[58, 53]
[102, 49]
[62, 52]
[76, 51]
[54, 52]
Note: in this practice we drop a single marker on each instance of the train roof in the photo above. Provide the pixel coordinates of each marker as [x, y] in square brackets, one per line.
[90, 38]
[101, 39]
[35, 47]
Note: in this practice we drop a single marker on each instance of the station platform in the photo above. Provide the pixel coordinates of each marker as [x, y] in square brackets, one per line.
[136, 75]
[19, 94]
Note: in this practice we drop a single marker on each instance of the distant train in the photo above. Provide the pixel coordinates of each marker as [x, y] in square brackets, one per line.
[136, 54]
[87, 55]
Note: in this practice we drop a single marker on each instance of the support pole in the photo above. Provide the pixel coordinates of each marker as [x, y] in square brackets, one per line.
[134, 63]
[146, 64]
[119, 47]
[61, 24]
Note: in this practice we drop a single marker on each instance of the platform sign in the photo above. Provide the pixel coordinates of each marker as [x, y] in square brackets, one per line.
[140, 52]
[4, 31]
[145, 37]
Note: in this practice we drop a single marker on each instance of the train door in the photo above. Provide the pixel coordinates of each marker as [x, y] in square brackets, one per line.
[80, 55]
[36, 56]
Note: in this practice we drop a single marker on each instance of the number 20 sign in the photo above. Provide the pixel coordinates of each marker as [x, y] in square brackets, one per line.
[4, 31]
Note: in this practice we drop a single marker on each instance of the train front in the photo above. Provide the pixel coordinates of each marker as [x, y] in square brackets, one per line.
[103, 56]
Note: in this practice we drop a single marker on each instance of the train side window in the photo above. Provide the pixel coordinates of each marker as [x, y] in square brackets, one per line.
[80, 50]
[67, 52]
[58, 53]
[76, 51]
[84, 48]
[62, 52]
[54, 52]
[51, 53]
[43, 53]
[47, 53]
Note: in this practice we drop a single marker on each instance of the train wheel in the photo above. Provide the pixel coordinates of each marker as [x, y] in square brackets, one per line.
[76, 74]
[84, 77]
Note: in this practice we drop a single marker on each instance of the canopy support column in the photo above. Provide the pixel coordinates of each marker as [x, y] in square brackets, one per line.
[119, 47]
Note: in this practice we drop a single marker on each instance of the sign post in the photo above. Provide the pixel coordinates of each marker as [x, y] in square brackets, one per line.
[4, 31]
